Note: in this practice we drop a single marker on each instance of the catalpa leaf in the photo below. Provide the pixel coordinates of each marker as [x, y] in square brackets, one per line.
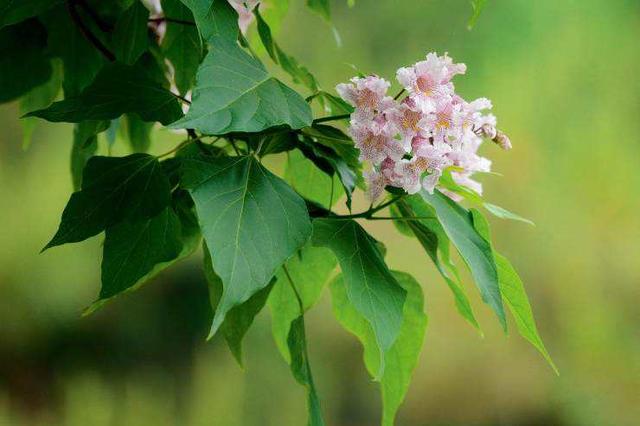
[422, 222]
[251, 220]
[214, 18]
[476, 252]
[14, 11]
[311, 182]
[181, 44]
[116, 90]
[321, 7]
[113, 189]
[85, 145]
[301, 369]
[513, 292]
[309, 271]
[503, 213]
[370, 286]
[239, 319]
[23, 60]
[235, 93]
[130, 37]
[138, 133]
[402, 358]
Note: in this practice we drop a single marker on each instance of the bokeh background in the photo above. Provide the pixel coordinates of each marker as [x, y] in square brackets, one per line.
[563, 76]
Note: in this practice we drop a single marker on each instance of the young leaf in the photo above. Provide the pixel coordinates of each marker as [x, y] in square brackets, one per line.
[214, 18]
[81, 61]
[505, 214]
[477, 6]
[14, 11]
[23, 61]
[113, 189]
[130, 38]
[309, 271]
[138, 133]
[434, 240]
[311, 182]
[402, 357]
[235, 93]
[301, 369]
[116, 90]
[476, 252]
[40, 97]
[332, 104]
[181, 45]
[370, 287]
[85, 145]
[239, 319]
[513, 292]
[251, 220]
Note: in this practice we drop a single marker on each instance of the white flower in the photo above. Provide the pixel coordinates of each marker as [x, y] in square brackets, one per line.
[365, 93]
[245, 12]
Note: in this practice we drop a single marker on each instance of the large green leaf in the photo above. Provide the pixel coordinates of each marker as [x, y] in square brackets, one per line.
[402, 357]
[23, 62]
[370, 286]
[239, 319]
[235, 93]
[301, 369]
[309, 272]
[113, 189]
[458, 224]
[116, 90]
[130, 38]
[513, 292]
[85, 145]
[181, 45]
[214, 18]
[434, 240]
[81, 60]
[251, 220]
[311, 182]
[14, 11]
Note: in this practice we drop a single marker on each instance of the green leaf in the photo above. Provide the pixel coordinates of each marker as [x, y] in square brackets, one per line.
[214, 18]
[85, 145]
[239, 319]
[505, 214]
[113, 189]
[333, 105]
[477, 6]
[402, 357]
[138, 133]
[311, 182]
[298, 73]
[309, 271]
[513, 292]
[476, 252]
[235, 93]
[40, 97]
[251, 220]
[81, 61]
[135, 252]
[301, 369]
[370, 287]
[116, 90]
[434, 240]
[14, 11]
[23, 61]
[321, 7]
[181, 45]
[130, 38]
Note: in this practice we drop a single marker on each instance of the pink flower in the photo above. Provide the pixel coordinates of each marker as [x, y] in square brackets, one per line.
[245, 12]
[375, 142]
[366, 93]
[432, 77]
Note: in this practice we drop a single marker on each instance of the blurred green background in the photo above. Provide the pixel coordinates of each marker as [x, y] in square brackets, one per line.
[563, 76]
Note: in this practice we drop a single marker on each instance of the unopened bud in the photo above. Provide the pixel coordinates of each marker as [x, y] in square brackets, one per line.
[502, 140]
[488, 131]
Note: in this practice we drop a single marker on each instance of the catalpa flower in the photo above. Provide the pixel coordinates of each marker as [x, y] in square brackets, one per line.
[410, 142]
[245, 12]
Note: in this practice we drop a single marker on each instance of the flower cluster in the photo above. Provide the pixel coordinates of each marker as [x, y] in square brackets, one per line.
[410, 142]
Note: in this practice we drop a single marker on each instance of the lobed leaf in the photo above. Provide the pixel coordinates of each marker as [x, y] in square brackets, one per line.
[251, 220]
[130, 38]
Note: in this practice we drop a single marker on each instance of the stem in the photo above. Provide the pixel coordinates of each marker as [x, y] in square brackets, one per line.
[71, 6]
[395, 98]
[183, 99]
[104, 26]
[233, 144]
[173, 21]
[180, 145]
[295, 291]
[331, 118]
[401, 219]
[331, 196]
[368, 214]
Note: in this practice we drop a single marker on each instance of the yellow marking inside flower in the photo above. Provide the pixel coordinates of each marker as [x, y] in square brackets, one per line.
[425, 85]
[367, 99]
[442, 120]
[410, 120]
